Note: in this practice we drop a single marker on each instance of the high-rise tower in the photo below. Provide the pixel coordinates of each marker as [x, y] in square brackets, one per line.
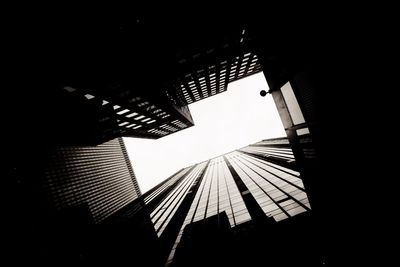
[220, 199]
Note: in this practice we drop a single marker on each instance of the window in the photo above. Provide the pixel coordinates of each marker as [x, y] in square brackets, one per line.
[302, 131]
[131, 115]
[140, 117]
[123, 111]
[69, 89]
[292, 104]
[89, 96]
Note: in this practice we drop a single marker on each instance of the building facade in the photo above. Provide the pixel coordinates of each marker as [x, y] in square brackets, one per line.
[99, 177]
[63, 198]
[257, 185]
[129, 114]
[116, 57]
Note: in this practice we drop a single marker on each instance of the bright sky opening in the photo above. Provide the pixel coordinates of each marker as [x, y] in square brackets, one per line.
[224, 122]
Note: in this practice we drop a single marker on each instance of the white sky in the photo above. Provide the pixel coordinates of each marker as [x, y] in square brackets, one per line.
[224, 122]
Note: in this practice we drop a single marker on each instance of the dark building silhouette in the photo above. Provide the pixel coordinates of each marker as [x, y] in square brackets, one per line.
[133, 115]
[126, 237]
[81, 82]
[65, 201]
[122, 80]
[206, 208]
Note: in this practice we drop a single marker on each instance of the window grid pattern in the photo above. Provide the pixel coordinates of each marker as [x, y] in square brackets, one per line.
[214, 79]
[217, 193]
[172, 180]
[276, 152]
[150, 119]
[163, 213]
[98, 176]
[279, 192]
[140, 116]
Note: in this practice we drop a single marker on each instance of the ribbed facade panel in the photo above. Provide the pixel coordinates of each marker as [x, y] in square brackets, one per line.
[100, 177]
[164, 212]
[165, 185]
[278, 191]
[218, 193]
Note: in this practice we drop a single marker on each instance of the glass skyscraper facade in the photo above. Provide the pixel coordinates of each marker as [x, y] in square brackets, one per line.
[228, 184]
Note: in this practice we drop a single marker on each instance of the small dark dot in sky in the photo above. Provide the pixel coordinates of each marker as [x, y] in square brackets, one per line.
[263, 93]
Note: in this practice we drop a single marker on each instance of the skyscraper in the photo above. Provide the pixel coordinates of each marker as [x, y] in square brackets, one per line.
[253, 185]
[99, 177]
[119, 112]
[122, 83]
[63, 194]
